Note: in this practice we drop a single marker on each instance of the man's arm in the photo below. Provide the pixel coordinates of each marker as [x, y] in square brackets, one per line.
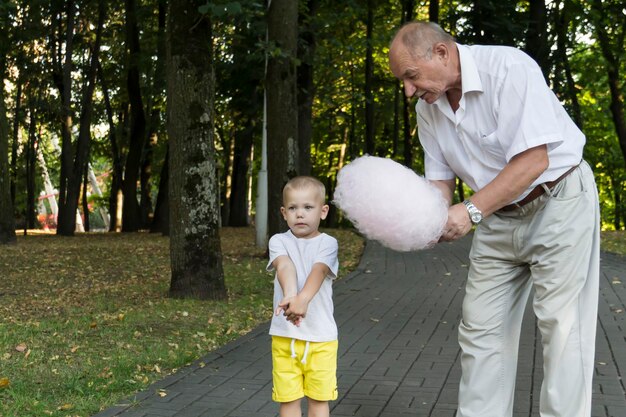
[523, 169]
[446, 187]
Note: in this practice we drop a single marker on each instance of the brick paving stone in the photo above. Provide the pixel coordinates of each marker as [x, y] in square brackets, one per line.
[398, 351]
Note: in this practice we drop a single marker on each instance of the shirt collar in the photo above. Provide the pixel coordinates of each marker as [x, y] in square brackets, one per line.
[470, 79]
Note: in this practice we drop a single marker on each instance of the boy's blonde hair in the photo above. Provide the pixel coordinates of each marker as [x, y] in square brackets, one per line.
[305, 181]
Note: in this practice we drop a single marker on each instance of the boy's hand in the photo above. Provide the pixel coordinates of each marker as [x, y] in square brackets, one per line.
[296, 310]
[283, 305]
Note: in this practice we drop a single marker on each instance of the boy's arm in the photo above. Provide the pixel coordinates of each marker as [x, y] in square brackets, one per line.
[299, 304]
[287, 278]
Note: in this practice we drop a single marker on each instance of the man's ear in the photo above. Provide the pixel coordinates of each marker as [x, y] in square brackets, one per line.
[441, 50]
[324, 212]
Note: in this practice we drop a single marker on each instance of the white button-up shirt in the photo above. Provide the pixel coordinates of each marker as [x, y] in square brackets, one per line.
[506, 107]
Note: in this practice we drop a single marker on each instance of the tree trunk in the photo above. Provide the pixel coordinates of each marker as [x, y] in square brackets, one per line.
[562, 61]
[537, 37]
[31, 160]
[613, 73]
[7, 218]
[282, 116]
[17, 118]
[482, 18]
[433, 11]
[195, 248]
[66, 222]
[130, 212]
[116, 176]
[238, 213]
[406, 102]
[86, 223]
[76, 171]
[306, 87]
[369, 80]
[227, 156]
[161, 219]
[156, 100]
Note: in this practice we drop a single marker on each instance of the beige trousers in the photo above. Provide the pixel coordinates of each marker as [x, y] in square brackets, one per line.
[552, 246]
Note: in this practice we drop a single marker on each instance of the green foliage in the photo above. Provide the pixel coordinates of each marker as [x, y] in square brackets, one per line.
[36, 33]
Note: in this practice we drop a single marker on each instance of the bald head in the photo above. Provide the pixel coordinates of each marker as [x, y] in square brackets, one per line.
[419, 38]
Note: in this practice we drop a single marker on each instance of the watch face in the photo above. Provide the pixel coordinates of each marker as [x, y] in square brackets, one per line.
[476, 217]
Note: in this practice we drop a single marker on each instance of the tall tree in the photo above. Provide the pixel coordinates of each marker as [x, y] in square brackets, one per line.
[407, 16]
[610, 30]
[565, 89]
[195, 248]
[161, 219]
[131, 216]
[537, 44]
[242, 80]
[117, 166]
[7, 219]
[156, 100]
[62, 74]
[76, 162]
[282, 106]
[31, 158]
[306, 86]
[369, 80]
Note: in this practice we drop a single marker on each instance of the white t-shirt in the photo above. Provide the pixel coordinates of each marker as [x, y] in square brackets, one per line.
[506, 108]
[319, 324]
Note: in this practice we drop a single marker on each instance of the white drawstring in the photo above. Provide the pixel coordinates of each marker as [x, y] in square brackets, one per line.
[293, 351]
[306, 352]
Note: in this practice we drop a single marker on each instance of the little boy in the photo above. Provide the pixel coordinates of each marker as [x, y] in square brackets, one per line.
[304, 337]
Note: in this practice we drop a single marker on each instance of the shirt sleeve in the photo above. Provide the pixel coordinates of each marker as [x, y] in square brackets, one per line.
[327, 255]
[435, 164]
[527, 115]
[276, 248]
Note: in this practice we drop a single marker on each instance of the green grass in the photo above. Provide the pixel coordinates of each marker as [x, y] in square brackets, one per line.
[614, 241]
[85, 322]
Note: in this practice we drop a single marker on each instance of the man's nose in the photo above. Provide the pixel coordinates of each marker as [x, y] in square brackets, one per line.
[409, 89]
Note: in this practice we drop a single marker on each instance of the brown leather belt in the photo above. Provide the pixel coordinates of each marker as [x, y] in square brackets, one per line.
[537, 191]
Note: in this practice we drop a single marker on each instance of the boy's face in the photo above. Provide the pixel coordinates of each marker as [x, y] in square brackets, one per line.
[303, 209]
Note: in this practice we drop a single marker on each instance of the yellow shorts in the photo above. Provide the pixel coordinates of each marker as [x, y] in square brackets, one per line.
[311, 373]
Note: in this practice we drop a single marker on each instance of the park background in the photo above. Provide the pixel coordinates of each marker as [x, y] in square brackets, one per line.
[125, 115]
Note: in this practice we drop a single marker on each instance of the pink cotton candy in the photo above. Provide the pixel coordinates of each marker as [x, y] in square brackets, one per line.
[390, 203]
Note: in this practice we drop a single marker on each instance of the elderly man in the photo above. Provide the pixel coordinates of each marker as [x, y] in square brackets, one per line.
[486, 115]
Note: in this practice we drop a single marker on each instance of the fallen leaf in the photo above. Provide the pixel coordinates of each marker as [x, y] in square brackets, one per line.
[21, 347]
[65, 407]
[74, 349]
[4, 382]
[162, 393]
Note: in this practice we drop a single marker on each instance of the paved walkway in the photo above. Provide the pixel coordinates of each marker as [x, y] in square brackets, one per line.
[398, 351]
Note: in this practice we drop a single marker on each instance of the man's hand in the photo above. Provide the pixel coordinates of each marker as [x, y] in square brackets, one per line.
[458, 224]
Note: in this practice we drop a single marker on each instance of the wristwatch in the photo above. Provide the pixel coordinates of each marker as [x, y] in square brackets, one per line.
[475, 215]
